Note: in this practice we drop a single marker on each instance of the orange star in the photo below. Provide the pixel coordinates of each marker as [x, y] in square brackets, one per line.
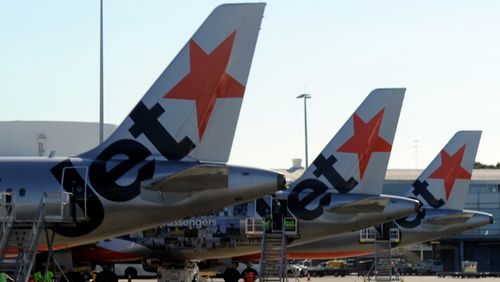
[207, 80]
[366, 140]
[451, 170]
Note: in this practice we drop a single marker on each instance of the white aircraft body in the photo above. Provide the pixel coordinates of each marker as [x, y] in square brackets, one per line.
[338, 193]
[442, 187]
[165, 162]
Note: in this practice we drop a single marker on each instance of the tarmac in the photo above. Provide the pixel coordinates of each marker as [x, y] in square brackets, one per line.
[355, 278]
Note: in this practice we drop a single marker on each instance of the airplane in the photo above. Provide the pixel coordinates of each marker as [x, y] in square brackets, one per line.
[338, 193]
[167, 159]
[442, 187]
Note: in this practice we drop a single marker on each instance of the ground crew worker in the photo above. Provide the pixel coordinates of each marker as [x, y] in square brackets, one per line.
[267, 224]
[277, 216]
[38, 276]
[48, 277]
[249, 274]
[231, 274]
[4, 277]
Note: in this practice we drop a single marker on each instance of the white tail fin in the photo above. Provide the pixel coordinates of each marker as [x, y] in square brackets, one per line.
[445, 182]
[192, 109]
[356, 158]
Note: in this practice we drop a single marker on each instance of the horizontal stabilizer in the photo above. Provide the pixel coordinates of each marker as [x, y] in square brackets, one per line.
[193, 179]
[450, 219]
[361, 206]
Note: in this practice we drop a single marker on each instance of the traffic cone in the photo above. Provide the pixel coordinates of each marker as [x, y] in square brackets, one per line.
[308, 276]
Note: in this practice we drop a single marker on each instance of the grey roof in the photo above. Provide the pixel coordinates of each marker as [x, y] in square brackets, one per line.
[35, 138]
[291, 173]
[478, 175]
[482, 175]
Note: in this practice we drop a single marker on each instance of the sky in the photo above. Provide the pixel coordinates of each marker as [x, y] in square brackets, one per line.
[446, 53]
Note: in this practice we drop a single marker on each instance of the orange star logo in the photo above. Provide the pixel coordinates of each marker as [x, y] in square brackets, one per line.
[207, 80]
[365, 140]
[451, 170]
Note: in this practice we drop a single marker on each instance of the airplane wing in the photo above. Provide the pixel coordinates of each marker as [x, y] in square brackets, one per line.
[450, 219]
[193, 179]
[361, 206]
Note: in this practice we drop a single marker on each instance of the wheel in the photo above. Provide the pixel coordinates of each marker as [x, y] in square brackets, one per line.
[86, 276]
[130, 272]
[72, 277]
[106, 276]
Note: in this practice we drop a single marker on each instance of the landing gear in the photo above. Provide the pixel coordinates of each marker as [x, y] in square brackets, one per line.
[72, 277]
[178, 271]
[130, 272]
[106, 276]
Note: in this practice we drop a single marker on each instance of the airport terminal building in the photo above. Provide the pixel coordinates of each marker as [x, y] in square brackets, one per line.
[482, 244]
[56, 138]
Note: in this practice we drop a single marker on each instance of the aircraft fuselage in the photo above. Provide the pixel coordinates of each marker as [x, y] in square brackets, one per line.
[119, 196]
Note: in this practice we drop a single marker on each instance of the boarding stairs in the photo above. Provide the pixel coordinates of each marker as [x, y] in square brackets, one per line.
[382, 267]
[273, 259]
[273, 256]
[384, 270]
[7, 219]
[275, 227]
[407, 254]
[20, 237]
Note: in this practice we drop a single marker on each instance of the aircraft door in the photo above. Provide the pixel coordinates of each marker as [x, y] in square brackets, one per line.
[257, 223]
[263, 207]
[74, 180]
[278, 214]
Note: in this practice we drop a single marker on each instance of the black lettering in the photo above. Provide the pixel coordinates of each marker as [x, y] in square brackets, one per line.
[407, 223]
[104, 181]
[262, 207]
[420, 188]
[146, 122]
[297, 204]
[325, 167]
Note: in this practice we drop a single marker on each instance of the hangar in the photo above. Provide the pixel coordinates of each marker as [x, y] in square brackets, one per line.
[43, 138]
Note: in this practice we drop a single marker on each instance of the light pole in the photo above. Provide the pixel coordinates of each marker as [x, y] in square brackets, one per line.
[101, 81]
[305, 97]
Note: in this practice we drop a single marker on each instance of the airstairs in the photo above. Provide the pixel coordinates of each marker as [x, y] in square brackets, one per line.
[384, 270]
[7, 219]
[383, 239]
[407, 255]
[273, 258]
[276, 227]
[21, 236]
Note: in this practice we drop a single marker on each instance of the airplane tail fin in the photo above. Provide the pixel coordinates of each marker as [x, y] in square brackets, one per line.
[191, 110]
[445, 182]
[356, 158]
